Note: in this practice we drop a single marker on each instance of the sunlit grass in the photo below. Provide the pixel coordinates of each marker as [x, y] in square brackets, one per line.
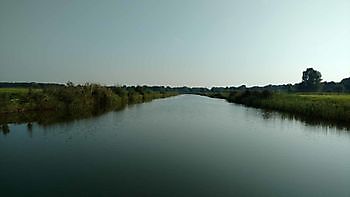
[318, 97]
[17, 90]
[335, 107]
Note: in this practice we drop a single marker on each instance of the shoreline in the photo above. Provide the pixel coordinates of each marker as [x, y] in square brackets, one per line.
[312, 108]
[74, 102]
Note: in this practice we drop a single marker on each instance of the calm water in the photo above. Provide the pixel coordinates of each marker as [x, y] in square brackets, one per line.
[181, 146]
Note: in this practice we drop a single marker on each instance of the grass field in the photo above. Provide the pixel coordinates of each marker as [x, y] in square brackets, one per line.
[17, 90]
[319, 106]
[327, 97]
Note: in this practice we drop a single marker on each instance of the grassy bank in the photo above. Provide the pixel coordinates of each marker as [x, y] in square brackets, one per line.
[69, 101]
[328, 107]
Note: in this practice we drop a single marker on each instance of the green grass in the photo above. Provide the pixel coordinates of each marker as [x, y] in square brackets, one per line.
[320, 97]
[17, 90]
[328, 107]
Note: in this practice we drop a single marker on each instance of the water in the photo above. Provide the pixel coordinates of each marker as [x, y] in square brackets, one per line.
[181, 146]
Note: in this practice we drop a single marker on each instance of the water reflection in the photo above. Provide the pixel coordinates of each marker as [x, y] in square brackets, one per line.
[30, 129]
[50, 118]
[46, 119]
[183, 144]
[30, 126]
[5, 129]
[308, 121]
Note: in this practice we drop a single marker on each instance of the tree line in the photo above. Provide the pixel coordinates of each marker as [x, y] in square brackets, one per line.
[311, 82]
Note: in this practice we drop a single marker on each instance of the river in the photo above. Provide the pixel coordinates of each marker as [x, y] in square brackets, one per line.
[180, 146]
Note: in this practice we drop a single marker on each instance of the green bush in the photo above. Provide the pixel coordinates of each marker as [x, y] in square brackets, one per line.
[77, 101]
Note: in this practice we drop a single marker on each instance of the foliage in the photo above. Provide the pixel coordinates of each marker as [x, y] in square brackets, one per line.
[346, 84]
[77, 100]
[311, 80]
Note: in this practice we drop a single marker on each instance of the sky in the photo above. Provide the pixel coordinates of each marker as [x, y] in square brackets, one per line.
[178, 43]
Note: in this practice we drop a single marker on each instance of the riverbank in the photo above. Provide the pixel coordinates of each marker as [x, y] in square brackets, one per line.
[29, 104]
[327, 107]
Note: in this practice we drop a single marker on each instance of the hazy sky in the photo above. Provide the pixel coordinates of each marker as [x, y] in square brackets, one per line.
[178, 42]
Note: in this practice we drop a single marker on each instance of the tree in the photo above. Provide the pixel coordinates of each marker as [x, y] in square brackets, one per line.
[332, 87]
[346, 84]
[311, 80]
[70, 84]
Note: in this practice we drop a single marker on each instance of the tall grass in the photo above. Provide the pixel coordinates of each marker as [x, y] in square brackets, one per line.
[329, 107]
[78, 100]
[18, 90]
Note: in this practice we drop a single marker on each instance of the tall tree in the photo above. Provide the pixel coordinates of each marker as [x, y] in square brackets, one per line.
[311, 80]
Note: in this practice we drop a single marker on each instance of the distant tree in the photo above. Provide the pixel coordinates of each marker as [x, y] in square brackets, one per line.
[346, 84]
[70, 84]
[311, 80]
[290, 88]
[332, 87]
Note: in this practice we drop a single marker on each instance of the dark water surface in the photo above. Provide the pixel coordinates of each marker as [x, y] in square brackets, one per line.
[181, 146]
